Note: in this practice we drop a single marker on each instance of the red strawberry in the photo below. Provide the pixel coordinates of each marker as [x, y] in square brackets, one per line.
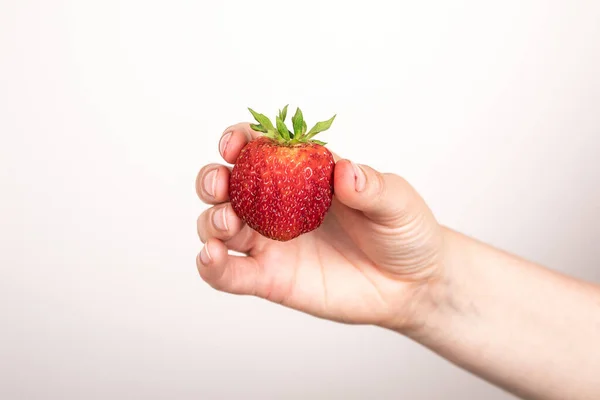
[282, 183]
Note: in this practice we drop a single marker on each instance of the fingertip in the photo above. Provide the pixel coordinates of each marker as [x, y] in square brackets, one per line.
[228, 273]
[211, 260]
[203, 257]
[380, 196]
[212, 183]
[357, 186]
[217, 251]
[232, 220]
[234, 139]
[344, 180]
[224, 143]
[220, 222]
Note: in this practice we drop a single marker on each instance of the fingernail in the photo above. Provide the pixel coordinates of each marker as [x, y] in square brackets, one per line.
[360, 180]
[210, 182]
[220, 219]
[205, 256]
[224, 142]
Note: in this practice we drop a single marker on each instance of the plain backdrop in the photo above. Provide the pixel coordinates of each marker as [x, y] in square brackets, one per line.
[109, 108]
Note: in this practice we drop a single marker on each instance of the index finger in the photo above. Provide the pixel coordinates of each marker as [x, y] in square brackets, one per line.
[234, 139]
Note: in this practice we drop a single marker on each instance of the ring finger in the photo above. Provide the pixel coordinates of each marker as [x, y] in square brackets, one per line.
[219, 222]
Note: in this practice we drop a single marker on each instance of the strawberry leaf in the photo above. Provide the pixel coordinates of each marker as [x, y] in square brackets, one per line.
[258, 128]
[297, 122]
[283, 114]
[284, 135]
[319, 127]
[263, 120]
[283, 130]
[271, 135]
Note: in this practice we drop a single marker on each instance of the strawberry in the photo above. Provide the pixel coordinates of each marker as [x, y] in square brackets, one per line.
[282, 183]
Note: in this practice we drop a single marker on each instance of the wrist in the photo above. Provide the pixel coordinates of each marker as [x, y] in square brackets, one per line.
[440, 296]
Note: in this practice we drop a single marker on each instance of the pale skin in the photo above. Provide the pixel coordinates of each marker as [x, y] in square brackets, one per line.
[381, 258]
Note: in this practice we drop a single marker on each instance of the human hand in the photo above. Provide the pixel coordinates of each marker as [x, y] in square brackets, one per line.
[370, 262]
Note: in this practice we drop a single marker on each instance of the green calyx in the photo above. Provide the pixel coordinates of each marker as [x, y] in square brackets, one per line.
[282, 134]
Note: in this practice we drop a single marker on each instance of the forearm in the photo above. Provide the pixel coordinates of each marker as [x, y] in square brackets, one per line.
[527, 329]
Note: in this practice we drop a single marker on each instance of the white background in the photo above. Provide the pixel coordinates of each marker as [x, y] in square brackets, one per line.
[109, 108]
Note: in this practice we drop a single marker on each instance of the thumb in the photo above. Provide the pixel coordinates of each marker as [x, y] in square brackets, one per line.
[383, 198]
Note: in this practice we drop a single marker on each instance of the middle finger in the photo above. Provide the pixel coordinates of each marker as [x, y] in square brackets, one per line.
[212, 184]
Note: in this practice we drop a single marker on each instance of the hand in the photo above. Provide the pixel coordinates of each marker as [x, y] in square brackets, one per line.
[370, 262]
